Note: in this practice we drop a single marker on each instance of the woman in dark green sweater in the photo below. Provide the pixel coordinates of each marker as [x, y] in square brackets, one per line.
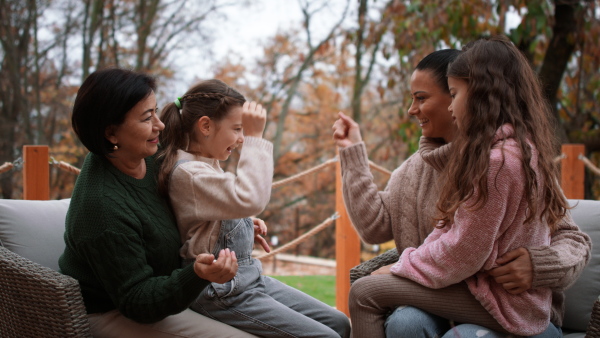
[122, 243]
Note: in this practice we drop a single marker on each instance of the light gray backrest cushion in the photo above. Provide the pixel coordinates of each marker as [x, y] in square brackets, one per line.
[34, 229]
[581, 296]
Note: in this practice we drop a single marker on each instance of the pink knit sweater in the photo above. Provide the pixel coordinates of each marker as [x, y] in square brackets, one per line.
[465, 249]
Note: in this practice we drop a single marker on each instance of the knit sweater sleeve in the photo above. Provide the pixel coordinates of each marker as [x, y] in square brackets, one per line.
[215, 195]
[559, 265]
[368, 208]
[119, 263]
[457, 251]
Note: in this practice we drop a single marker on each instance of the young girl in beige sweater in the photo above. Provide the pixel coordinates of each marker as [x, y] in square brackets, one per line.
[213, 207]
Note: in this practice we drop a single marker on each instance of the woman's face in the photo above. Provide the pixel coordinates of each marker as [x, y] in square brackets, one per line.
[430, 106]
[137, 136]
[458, 92]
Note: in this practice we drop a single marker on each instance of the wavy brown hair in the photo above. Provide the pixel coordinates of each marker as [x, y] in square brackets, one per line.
[502, 88]
[212, 98]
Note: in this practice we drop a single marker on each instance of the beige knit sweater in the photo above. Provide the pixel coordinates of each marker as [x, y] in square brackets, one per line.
[404, 212]
[202, 194]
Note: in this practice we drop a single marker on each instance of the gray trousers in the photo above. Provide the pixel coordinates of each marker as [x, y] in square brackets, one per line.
[260, 304]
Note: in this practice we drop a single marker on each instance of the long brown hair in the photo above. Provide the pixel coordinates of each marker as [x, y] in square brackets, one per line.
[502, 88]
[212, 98]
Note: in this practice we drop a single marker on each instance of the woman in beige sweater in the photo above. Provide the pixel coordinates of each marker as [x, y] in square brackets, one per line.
[404, 212]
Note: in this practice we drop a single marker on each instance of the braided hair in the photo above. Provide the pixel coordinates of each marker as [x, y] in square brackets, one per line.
[212, 98]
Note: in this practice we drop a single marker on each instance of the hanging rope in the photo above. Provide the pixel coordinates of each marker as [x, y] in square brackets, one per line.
[379, 168]
[589, 165]
[65, 166]
[559, 158]
[6, 167]
[302, 174]
[302, 238]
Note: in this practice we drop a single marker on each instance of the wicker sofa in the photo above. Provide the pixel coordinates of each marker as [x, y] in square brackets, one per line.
[35, 299]
[582, 301]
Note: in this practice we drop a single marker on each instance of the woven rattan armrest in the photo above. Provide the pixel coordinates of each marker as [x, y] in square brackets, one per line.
[36, 301]
[365, 268]
[593, 329]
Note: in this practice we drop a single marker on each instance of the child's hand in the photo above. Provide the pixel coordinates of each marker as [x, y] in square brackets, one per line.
[254, 118]
[260, 228]
[219, 271]
[346, 132]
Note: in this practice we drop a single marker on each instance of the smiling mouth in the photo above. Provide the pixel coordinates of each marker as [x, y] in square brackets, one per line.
[422, 122]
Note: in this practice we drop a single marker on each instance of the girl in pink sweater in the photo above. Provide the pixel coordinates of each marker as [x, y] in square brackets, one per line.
[500, 191]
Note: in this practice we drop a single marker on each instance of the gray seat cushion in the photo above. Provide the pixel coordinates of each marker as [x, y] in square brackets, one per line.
[34, 229]
[581, 296]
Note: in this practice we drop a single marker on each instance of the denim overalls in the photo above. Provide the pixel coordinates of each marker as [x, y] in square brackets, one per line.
[262, 305]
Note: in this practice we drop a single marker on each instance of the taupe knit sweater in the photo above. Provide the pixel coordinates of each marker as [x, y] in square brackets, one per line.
[404, 212]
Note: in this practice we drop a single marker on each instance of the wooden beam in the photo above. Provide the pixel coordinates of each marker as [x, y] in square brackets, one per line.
[347, 247]
[36, 173]
[573, 171]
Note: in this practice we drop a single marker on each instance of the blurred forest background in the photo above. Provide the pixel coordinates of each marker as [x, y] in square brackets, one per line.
[359, 63]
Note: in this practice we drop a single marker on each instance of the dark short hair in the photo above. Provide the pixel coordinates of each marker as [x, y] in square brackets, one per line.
[103, 100]
[437, 63]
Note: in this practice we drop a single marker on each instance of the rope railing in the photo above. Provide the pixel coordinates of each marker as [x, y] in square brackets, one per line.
[65, 166]
[589, 165]
[7, 166]
[379, 168]
[303, 237]
[304, 173]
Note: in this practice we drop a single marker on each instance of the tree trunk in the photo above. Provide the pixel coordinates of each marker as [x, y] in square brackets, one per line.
[568, 21]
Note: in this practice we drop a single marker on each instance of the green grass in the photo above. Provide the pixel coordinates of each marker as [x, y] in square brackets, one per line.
[320, 287]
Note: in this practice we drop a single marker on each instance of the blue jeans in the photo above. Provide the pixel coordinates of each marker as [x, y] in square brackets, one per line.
[262, 305]
[408, 321]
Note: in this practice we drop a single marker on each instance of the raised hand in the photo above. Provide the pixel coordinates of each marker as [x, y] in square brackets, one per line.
[346, 132]
[220, 270]
[260, 229]
[254, 118]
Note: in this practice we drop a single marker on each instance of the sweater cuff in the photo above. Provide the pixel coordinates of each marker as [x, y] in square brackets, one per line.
[354, 156]
[544, 267]
[191, 281]
[258, 142]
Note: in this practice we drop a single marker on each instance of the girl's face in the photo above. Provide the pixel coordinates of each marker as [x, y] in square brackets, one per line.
[430, 106]
[227, 135]
[458, 92]
[137, 136]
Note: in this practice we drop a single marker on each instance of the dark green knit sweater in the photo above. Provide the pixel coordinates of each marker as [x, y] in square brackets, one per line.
[122, 245]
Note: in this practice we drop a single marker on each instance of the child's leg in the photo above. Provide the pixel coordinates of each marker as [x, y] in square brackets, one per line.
[308, 306]
[289, 313]
[372, 297]
[477, 331]
[409, 321]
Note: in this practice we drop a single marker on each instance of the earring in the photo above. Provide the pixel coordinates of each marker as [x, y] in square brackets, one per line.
[116, 147]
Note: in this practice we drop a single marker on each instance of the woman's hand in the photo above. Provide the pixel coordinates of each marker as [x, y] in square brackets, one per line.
[254, 118]
[220, 270]
[346, 132]
[384, 270]
[515, 272]
[260, 229]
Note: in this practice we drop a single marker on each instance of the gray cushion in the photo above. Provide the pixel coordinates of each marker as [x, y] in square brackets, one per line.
[34, 229]
[581, 296]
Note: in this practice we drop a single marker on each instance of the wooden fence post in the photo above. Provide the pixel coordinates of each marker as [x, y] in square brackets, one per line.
[573, 171]
[347, 247]
[36, 173]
